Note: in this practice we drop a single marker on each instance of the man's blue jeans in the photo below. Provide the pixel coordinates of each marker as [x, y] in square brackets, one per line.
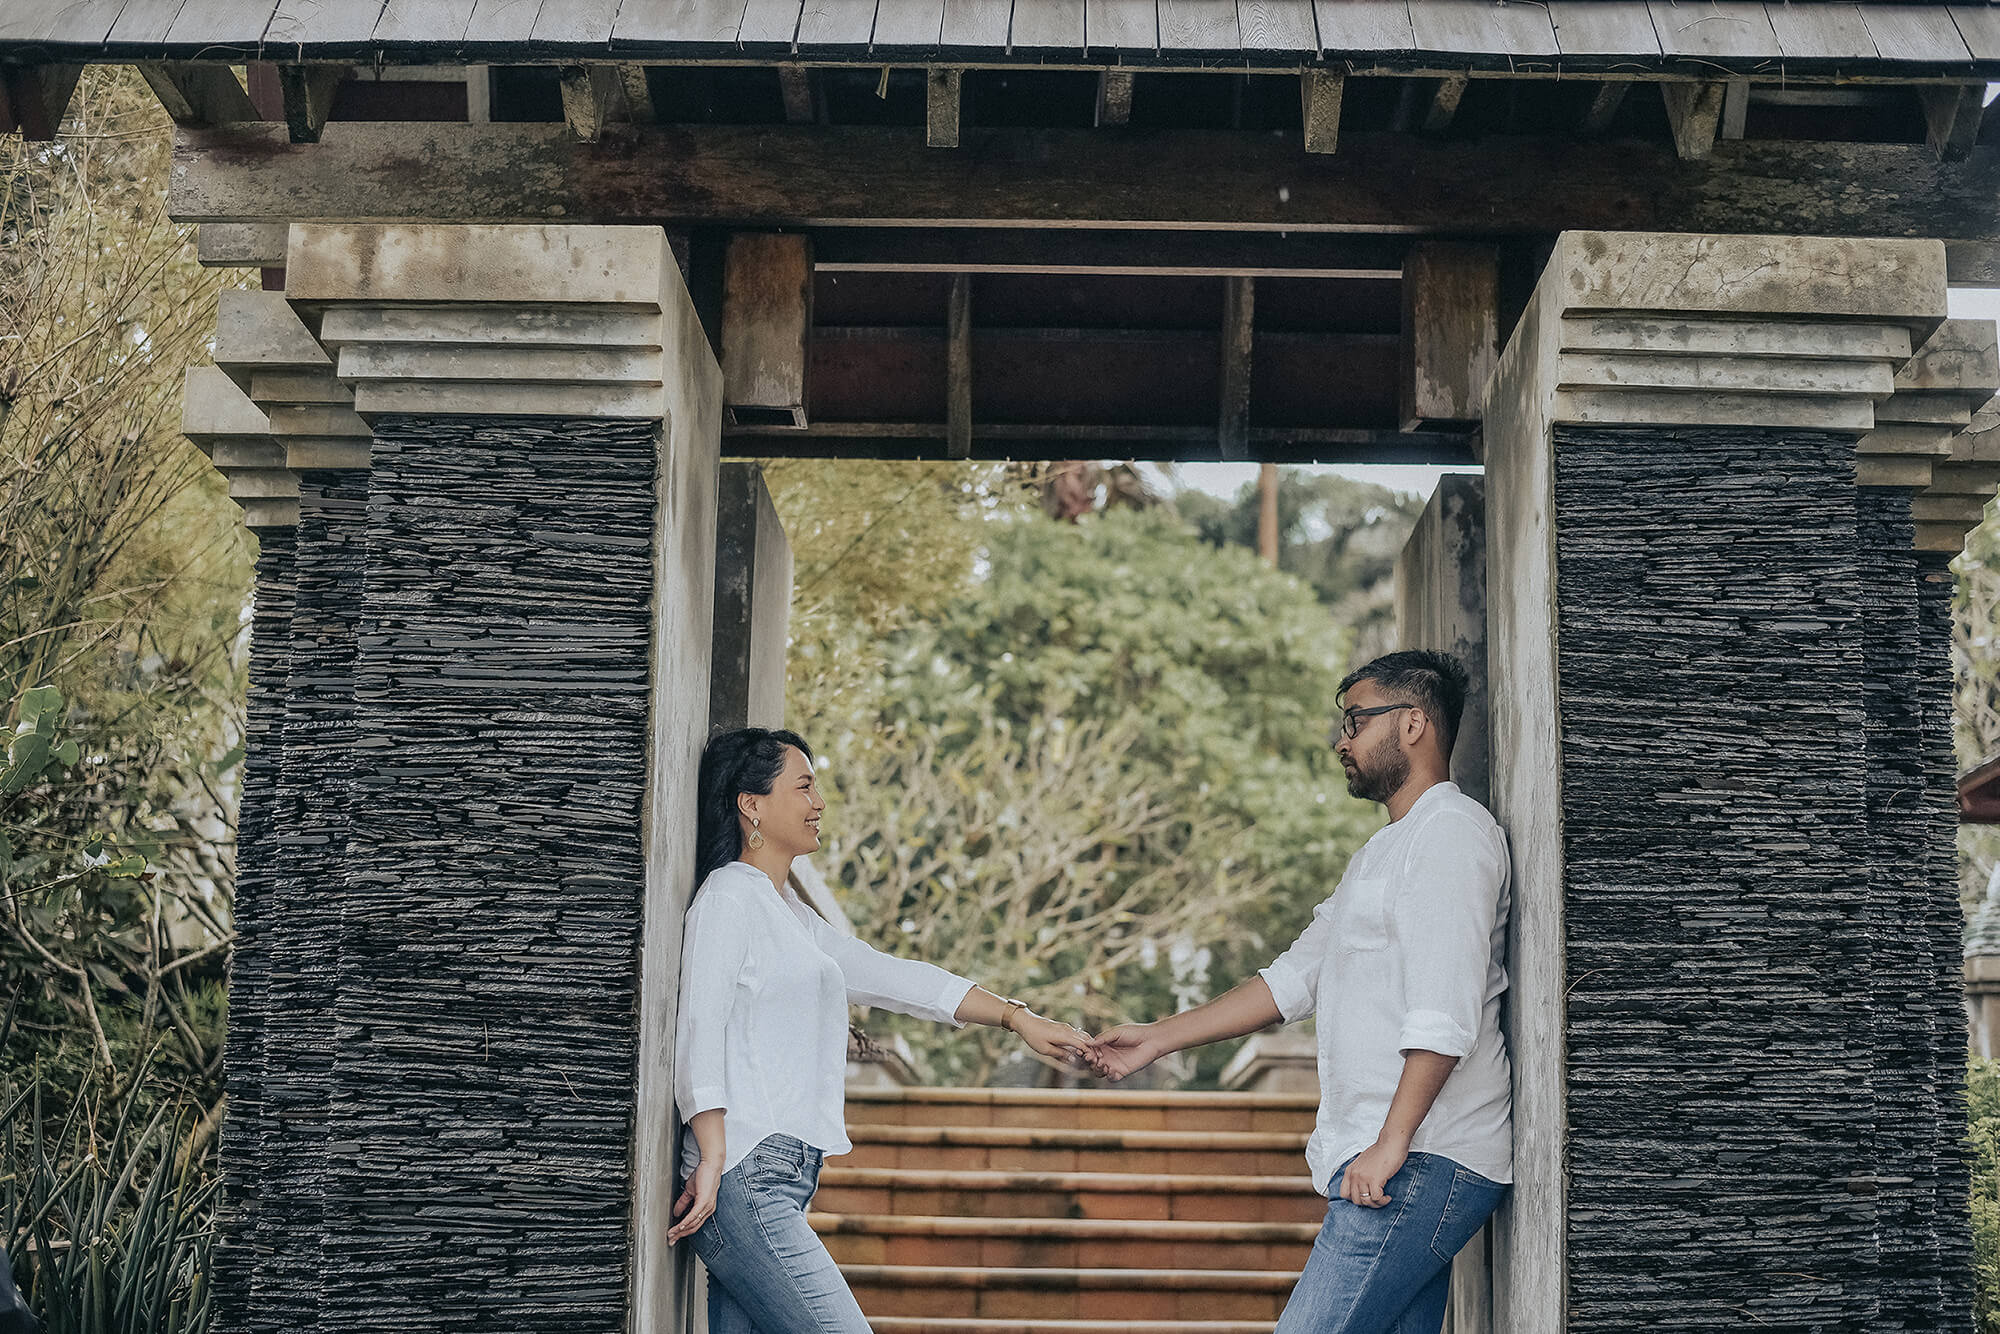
[768, 1272]
[1388, 1270]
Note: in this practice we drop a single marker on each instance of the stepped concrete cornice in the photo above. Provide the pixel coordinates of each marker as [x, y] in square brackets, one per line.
[522, 320]
[1653, 329]
[236, 435]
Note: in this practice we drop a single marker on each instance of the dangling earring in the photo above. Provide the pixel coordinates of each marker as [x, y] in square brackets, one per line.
[756, 839]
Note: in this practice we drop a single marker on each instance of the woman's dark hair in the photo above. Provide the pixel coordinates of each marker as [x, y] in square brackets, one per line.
[748, 759]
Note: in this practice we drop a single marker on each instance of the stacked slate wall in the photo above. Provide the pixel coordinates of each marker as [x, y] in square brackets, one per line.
[1944, 923]
[491, 926]
[302, 938]
[247, 1128]
[1717, 883]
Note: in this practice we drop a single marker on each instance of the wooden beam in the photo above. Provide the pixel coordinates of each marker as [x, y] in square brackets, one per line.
[1604, 104]
[308, 92]
[1320, 92]
[1694, 113]
[1451, 331]
[593, 96]
[766, 327]
[35, 98]
[1951, 118]
[1735, 109]
[198, 94]
[942, 89]
[1239, 304]
[1114, 97]
[925, 440]
[697, 176]
[638, 93]
[958, 369]
[1446, 94]
[1134, 253]
[796, 86]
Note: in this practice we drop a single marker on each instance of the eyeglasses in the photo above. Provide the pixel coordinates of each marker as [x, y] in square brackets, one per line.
[1351, 719]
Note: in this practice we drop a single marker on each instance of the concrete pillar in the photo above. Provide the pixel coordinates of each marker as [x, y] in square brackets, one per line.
[753, 603]
[530, 599]
[1441, 604]
[1681, 672]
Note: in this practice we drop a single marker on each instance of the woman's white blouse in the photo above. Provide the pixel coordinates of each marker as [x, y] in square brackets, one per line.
[762, 1030]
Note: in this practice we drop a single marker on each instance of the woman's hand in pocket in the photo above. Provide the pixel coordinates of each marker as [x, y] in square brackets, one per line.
[697, 1202]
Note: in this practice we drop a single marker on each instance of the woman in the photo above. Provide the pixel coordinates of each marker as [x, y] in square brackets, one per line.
[761, 1051]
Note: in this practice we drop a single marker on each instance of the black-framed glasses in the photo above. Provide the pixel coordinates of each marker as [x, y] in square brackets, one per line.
[1351, 719]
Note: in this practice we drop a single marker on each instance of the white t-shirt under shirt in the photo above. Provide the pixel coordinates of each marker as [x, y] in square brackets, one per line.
[762, 1031]
[1408, 954]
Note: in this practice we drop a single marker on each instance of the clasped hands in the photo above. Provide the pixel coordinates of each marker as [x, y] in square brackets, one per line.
[1114, 1053]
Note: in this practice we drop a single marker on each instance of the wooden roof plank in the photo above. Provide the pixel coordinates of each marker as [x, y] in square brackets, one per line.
[1718, 29]
[575, 23]
[423, 22]
[770, 23]
[1121, 25]
[1979, 27]
[1604, 28]
[1918, 33]
[1048, 25]
[1821, 32]
[1364, 25]
[144, 23]
[911, 25]
[323, 22]
[220, 23]
[1199, 25]
[703, 23]
[77, 23]
[836, 23]
[1277, 25]
[502, 21]
[1482, 27]
[976, 24]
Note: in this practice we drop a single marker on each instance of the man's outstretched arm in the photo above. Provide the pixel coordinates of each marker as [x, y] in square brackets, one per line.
[1244, 1008]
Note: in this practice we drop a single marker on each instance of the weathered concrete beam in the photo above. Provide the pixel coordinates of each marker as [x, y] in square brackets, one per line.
[943, 95]
[846, 175]
[240, 245]
[1451, 331]
[766, 327]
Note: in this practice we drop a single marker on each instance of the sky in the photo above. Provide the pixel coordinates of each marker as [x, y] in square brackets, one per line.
[1226, 479]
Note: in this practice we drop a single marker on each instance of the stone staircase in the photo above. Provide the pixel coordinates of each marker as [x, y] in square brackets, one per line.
[1003, 1211]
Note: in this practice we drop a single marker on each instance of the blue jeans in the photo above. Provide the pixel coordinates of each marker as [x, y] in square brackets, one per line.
[1388, 1270]
[768, 1272]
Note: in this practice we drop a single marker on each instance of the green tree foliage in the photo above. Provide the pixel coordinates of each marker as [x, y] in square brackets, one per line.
[1196, 681]
[1982, 1092]
[1341, 536]
[1976, 663]
[123, 573]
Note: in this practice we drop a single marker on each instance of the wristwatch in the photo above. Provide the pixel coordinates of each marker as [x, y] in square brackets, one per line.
[1014, 1007]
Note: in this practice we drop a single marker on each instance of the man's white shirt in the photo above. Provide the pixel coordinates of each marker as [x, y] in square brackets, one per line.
[1409, 954]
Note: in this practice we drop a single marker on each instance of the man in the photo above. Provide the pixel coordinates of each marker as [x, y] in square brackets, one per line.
[1402, 969]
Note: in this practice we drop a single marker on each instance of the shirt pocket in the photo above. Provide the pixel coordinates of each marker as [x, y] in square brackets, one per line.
[1361, 915]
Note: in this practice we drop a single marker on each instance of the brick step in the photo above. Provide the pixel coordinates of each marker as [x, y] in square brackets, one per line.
[1070, 1294]
[1082, 1109]
[1064, 1243]
[1028, 1149]
[922, 1324]
[1288, 1198]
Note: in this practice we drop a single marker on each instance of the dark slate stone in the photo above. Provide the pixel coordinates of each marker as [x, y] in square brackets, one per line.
[247, 1127]
[1944, 921]
[1716, 891]
[492, 919]
[312, 823]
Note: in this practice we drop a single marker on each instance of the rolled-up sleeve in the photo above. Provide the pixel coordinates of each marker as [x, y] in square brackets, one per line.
[713, 949]
[1443, 920]
[883, 981]
[1294, 975]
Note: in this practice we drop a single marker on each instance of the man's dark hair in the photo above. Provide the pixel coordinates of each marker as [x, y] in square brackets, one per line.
[1434, 682]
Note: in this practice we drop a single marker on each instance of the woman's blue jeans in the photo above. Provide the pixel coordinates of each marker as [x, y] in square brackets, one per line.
[1388, 1270]
[768, 1272]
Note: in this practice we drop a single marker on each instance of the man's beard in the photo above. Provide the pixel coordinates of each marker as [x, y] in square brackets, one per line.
[1378, 776]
